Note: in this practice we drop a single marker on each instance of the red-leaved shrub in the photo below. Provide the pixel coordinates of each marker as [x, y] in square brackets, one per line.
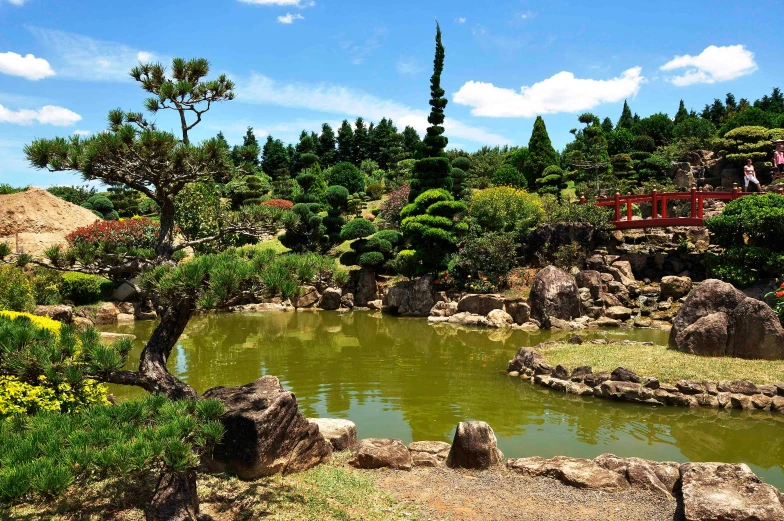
[396, 200]
[283, 204]
[128, 234]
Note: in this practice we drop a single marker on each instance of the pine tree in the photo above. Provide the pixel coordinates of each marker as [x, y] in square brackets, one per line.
[327, 144]
[246, 157]
[361, 142]
[275, 158]
[433, 170]
[541, 153]
[411, 142]
[626, 120]
[682, 113]
[345, 153]
[607, 125]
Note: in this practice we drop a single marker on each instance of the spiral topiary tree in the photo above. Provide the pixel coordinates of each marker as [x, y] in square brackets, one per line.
[371, 248]
[551, 181]
[337, 199]
[431, 227]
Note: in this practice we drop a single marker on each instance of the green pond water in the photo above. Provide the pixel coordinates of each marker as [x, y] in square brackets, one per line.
[403, 378]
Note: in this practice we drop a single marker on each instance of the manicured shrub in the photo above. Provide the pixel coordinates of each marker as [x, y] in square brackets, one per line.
[308, 232]
[462, 162]
[116, 236]
[374, 191]
[16, 289]
[556, 211]
[508, 175]
[42, 456]
[346, 175]
[77, 195]
[81, 288]
[552, 181]
[505, 209]
[47, 284]
[430, 173]
[356, 229]
[483, 262]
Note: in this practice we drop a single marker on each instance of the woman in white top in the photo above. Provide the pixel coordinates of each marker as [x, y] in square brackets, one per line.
[749, 176]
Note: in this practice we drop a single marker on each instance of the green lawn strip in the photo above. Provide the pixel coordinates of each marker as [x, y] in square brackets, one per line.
[665, 364]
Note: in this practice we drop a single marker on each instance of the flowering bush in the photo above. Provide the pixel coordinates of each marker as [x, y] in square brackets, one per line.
[778, 307]
[16, 290]
[396, 200]
[283, 204]
[126, 235]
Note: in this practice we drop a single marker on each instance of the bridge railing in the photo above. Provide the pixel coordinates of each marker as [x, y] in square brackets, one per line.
[658, 202]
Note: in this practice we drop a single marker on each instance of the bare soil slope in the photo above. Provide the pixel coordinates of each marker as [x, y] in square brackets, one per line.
[40, 218]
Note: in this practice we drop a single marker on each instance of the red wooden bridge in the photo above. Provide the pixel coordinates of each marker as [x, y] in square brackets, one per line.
[658, 202]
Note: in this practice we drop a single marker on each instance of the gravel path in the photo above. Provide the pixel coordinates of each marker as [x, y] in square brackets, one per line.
[502, 495]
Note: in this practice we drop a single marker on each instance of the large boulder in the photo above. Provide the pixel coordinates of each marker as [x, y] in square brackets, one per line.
[341, 434]
[675, 287]
[331, 299]
[498, 318]
[706, 337]
[60, 313]
[727, 492]
[413, 298]
[105, 313]
[719, 320]
[592, 280]
[429, 453]
[474, 447]
[755, 332]
[126, 291]
[554, 294]
[376, 453]
[576, 472]
[480, 304]
[367, 288]
[518, 309]
[265, 432]
[308, 297]
[712, 296]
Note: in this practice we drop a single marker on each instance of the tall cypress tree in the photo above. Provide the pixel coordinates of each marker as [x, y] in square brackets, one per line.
[541, 153]
[682, 113]
[361, 142]
[326, 146]
[345, 143]
[275, 158]
[626, 120]
[433, 170]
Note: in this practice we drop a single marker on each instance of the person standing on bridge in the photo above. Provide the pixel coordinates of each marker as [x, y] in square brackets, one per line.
[778, 159]
[749, 176]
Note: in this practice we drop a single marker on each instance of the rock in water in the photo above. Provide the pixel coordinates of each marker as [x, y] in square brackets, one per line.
[554, 294]
[175, 498]
[727, 492]
[376, 453]
[712, 296]
[341, 434]
[330, 300]
[480, 304]
[367, 287]
[474, 447]
[675, 287]
[265, 432]
[414, 298]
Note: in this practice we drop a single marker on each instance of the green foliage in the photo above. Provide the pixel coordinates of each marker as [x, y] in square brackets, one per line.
[745, 143]
[374, 191]
[82, 289]
[337, 199]
[6, 189]
[45, 454]
[572, 213]
[508, 175]
[778, 297]
[47, 284]
[462, 162]
[308, 232]
[102, 205]
[356, 229]
[551, 181]
[5, 250]
[752, 117]
[505, 209]
[694, 128]
[658, 126]
[77, 195]
[484, 261]
[16, 289]
[346, 175]
[750, 228]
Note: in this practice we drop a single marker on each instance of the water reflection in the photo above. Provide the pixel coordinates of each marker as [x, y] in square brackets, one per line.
[404, 378]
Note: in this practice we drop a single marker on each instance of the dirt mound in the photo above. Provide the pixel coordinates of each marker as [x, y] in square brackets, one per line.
[40, 219]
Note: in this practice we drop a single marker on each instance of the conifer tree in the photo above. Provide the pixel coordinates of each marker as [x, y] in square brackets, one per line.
[361, 142]
[433, 170]
[682, 113]
[626, 120]
[345, 153]
[541, 153]
[275, 159]
[327, 144]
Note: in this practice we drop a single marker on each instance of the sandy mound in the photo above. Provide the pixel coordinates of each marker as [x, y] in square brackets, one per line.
[40, 218]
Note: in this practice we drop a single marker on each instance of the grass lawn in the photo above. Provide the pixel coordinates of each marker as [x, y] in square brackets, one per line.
[272, 244]
[665, 364]
[329, 492]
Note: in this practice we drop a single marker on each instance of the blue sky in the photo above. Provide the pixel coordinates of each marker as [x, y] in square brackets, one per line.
[298, 63]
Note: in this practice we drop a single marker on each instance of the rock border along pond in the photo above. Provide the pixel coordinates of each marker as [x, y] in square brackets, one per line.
[625, 385]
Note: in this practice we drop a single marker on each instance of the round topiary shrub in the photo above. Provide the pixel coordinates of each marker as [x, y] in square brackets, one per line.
[374, 191]
[346, 175]
[371, 259]
[508, 175]
[356, 229]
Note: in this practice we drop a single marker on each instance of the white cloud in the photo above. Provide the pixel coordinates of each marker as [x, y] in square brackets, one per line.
[527, 15]
[560, 93]
[46, 115]
[289, 18]
[408, 65]
[27, 66]
[460, 20]
[713, 65]
[336, 99]
[85, 58]
[286, 3]
[82, 132]
[17, 2]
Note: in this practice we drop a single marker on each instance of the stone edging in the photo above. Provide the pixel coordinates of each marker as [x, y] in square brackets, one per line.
[623, 384]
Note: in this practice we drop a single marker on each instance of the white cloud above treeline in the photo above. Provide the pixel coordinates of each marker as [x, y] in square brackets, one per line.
[562, 92]
[713, 65]
[46, 115]
[17, 2]
[337, 99]
[282, 3]
[27, 66]
[290, 18]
